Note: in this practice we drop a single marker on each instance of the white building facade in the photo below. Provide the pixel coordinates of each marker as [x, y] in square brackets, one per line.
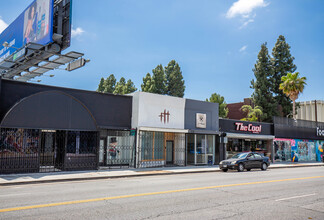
[311, 111]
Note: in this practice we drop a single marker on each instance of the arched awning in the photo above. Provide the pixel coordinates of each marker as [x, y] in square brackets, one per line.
[50, 110]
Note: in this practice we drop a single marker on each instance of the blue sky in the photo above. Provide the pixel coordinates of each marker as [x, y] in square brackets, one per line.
[215, 42]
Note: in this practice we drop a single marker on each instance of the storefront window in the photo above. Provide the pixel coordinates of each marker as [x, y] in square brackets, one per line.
[120, 147]
[158, 146]
[152, 145]
[201, 149]
[81, 142]
[19, 141]
[235, 146]
[319, 145]
[282, 150]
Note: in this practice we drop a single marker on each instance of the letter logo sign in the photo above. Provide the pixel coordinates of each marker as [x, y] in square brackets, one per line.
[255, 129]
[319, 132]
[200, 120]
[165, 116]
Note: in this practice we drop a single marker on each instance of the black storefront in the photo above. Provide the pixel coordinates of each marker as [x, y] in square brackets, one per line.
[298, 140]
[244, 136]
[46, 128]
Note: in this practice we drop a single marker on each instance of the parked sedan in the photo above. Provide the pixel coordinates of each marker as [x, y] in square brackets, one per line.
[248, 161]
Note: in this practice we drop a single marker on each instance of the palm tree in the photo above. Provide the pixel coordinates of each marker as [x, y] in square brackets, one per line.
[291, 86]
[253, 114]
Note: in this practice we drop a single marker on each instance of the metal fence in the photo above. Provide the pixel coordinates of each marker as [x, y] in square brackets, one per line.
[119, 150]
[34, 150]
[297, 123]
[160, 149]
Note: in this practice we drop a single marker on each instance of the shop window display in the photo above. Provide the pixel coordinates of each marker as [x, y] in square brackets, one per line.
[235, 146]
[294, 150]
[81, 142]
[19, 141]
[319, 145]
[152, 145]
[282, 150]
[306, 151]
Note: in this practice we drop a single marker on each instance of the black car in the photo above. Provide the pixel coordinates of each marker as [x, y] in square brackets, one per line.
[248, 161]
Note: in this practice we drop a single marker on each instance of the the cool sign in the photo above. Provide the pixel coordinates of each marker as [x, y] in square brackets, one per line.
[250, 128]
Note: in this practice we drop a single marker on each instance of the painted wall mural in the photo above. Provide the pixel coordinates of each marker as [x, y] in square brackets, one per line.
[297, 150]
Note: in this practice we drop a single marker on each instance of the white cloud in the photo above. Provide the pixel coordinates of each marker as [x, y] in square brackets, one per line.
[3, 25]
[77, 32]
[244, 8]
[243, 48]
[246, 22]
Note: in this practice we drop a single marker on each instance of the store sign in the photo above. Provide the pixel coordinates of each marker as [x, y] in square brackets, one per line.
[200, 120]
[158, 111]
[319, 132]
[239, 126]
[164, 116]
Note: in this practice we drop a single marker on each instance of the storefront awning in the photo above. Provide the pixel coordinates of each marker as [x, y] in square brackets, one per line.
[203, 132]
[250, 136]
[170, 130]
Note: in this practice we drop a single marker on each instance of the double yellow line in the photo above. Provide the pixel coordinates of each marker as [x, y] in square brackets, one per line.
[149, 194]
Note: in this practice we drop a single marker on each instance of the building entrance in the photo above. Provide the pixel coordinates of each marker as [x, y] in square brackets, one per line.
[169, 152]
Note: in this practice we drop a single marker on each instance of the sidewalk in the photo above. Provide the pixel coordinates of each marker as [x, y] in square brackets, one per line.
[106, 173]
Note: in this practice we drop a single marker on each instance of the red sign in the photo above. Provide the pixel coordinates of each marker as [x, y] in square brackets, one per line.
[164, 116]
[250, 128]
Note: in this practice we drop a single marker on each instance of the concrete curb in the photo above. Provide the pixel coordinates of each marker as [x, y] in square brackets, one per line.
[148, 173]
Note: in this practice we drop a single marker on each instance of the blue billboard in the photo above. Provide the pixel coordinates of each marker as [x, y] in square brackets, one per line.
[35, 25]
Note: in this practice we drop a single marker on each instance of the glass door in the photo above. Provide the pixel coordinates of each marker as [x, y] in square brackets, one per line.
[201, 153]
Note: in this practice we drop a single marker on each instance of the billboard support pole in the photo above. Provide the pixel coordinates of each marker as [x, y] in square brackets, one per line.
[59, 20]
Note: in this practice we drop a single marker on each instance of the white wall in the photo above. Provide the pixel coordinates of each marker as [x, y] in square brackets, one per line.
[307, 111]
[147, 109]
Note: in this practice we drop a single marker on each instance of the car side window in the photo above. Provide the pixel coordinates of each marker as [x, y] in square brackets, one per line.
[258, 156]
[250, 156]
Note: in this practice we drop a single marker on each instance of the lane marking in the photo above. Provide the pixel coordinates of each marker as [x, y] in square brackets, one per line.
[294, 197]
[15, 194]
[149, 194]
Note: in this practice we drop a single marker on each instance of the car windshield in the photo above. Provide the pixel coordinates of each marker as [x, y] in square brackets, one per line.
[241, 155]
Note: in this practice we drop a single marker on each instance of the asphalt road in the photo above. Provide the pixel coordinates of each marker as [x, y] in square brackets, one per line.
[295, 193]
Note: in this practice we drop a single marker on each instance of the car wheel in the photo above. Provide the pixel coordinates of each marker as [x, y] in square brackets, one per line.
[264, 166]
[248, 169]
[240, 167]
[224, 170]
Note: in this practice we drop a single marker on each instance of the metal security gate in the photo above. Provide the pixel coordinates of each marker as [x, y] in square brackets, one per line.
[34, 150]
[117, 149]
[157, 149]
[52, 150]
[19, 150]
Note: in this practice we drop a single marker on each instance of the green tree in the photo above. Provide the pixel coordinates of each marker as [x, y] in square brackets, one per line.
[262, 95]
[147, 85]
[101, 86]
[120, 86]
[159, 80]
[110, 84]
[292, 85]
[129, 87]
[216, 98]
[174, 80]
[252, 114]
[283, 63]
